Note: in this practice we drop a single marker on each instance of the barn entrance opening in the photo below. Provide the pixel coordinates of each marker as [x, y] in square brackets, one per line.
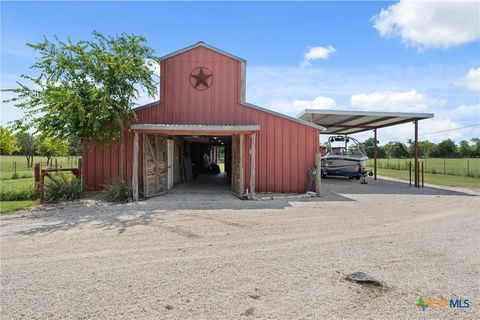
[206, 162]
[192, 163]
[179, 154]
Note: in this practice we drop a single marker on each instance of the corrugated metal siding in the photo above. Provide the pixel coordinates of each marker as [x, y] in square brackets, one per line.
[284, 149]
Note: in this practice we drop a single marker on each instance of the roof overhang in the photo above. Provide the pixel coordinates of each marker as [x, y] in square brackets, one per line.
[349, 122]
[195, 129]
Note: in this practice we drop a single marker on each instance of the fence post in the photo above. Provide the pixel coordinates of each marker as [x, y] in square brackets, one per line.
[444, 165]
[14, 167]
[410, 173]
[80, 169]
[38, 182]
[56, 163]
[422, 174]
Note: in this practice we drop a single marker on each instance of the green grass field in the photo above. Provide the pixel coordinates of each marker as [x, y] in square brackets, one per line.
[440, 179]
[11, 206]
[460, 172]
[24, 178]
[467, 167]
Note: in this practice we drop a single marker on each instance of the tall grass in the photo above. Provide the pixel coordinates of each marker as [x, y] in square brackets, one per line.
[62, 188]
[118, 192]
[26, 193]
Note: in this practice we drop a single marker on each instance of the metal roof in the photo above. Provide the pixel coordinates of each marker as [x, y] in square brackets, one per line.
[202, 44]
[349, 122]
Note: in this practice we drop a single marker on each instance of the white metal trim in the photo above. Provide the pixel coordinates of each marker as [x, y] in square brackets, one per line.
[366, 113]
[183, 127]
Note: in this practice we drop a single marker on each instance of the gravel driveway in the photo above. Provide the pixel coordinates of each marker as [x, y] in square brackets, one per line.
[206, 255]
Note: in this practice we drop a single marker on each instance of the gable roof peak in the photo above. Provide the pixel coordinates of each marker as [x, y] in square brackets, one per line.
[205, 45]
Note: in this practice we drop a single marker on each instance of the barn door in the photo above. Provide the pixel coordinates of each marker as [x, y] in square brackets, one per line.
[237, 165]
[154, 165]
[170, 163]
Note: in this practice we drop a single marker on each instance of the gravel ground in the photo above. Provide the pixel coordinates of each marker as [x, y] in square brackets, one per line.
[208, 255]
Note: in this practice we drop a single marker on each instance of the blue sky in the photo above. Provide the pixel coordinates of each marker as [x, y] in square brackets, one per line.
[360, 58]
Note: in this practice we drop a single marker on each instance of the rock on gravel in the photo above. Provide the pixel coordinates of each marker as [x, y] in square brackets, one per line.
[363, 278]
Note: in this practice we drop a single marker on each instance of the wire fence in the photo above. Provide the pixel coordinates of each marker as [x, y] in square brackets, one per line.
[16, 174]
[466, 167]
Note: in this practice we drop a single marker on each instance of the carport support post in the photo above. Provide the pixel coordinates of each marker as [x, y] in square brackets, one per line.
[135, 168]
[417, 178]
[318, 174]
[375, 154]
[252, 166]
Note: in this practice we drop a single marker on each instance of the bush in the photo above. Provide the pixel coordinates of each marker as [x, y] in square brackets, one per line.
[62, 188]
[118, 192]
[27, 193]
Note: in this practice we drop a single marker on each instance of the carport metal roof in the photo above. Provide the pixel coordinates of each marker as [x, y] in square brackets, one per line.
[349, 122]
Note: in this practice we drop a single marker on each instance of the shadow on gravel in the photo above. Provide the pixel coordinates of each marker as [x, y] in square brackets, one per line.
[120, 217]
[381, 186]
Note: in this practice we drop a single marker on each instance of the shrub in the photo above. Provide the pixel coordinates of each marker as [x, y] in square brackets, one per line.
[27, 193]
[62, 188]
[118, 192]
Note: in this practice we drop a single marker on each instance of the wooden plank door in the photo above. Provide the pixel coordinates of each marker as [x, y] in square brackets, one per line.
[154, 165]
[170, 151]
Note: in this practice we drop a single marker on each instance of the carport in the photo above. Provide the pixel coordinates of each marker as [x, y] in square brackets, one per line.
[349, 122]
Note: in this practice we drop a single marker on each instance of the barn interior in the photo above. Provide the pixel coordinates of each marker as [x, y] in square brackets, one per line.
[187, 162]
[205, 159]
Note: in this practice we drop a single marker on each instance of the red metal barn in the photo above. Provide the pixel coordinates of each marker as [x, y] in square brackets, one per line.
[202, 109]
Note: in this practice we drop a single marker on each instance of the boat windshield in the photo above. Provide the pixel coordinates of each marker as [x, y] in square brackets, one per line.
[342, 146]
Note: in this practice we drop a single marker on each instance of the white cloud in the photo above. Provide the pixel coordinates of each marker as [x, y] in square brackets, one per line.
[394, 101]
[430, 24]
[463, 112]
[452, 119]
[317, 53]
[317, 103]
[471, 81]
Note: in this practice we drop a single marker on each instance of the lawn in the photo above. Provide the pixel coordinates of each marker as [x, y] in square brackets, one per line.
[16, 177]
[450, 166]
[10, 206]
[440, 179]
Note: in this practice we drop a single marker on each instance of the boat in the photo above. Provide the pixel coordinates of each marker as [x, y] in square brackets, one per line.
[342, 156]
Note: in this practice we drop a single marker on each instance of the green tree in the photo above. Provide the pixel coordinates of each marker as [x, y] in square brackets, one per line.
[447, 149]
[368, 146]
[465, 150]
[426, 148]
[86, 90]
[476, 147]
[75, 147]
[395, 149]
[8, 142]
[28, 144]
[52, 147]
